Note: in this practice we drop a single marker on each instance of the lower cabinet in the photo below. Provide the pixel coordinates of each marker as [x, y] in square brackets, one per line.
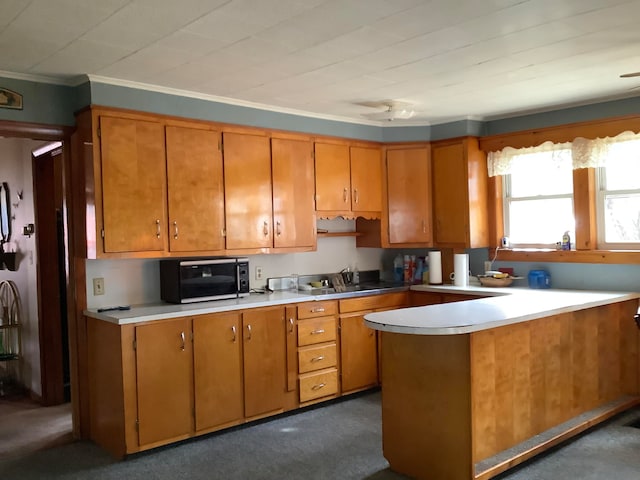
[217, 361]
[264, 360]
[162, 381]
[317, 351]
[359, 343]
[164, 372]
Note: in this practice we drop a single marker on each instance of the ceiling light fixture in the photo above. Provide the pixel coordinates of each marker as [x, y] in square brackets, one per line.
[394, 111]
[630, 75]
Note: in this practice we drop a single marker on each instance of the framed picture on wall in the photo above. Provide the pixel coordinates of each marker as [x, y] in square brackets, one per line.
[10, 99]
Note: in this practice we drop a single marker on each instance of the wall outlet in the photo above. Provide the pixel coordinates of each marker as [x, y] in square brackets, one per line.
[98, 286]
[258, 273]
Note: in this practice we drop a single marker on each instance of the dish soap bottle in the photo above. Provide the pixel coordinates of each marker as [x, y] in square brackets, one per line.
[355, 279]
[566, 241]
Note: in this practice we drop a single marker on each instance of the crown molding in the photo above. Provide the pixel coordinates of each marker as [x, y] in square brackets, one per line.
[243, 103]
[29, 77]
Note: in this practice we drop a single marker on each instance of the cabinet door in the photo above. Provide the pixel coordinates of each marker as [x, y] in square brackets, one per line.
[264, 360]
[450, 194]
[409, 195]
[164, 370]
[217, 369]
[358, 353]
[133, 185]
[247, 187]
[333, 177]
[366, 179]
[293, 204]
[195, 189]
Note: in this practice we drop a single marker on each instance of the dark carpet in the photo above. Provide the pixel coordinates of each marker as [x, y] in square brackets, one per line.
[338, 441]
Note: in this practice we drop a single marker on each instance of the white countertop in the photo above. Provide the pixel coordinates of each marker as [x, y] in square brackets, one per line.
[505, 307]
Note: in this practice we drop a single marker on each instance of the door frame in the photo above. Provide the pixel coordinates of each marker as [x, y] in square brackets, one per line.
[36, 131]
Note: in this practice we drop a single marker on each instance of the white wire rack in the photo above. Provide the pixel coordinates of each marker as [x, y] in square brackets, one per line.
[10, 337]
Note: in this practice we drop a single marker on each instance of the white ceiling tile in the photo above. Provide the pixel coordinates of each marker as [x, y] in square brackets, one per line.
[74, 59]
[10, 10]
[190, 42]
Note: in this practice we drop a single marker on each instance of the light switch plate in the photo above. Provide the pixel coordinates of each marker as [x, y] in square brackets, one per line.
[98, 286]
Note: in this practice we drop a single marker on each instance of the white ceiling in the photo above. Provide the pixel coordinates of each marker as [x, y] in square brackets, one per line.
[451, 59]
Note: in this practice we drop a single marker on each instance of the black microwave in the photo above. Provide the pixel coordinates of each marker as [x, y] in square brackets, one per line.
[203, 279]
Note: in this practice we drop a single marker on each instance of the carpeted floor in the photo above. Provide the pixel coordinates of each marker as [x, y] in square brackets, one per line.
[340, 441]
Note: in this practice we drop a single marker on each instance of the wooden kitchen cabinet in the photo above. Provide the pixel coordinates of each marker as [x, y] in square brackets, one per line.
[348, 180]
[164, 372]
[248, 191]
[359, 343]
[217, 360]
[293, 199]
[406, 213]
[317, 351]
[265, 381]
[130, 185]
[460, 208]
[195, 190]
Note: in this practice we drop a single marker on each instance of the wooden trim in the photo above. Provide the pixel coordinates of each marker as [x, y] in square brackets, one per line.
[584, 205]
[572, 256]
[35, 131]
[561, 133]
[558, 439]
[496, 210]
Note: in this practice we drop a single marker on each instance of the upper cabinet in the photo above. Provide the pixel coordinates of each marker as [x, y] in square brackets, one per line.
[348, 180]
[195, 190]
[130, 185]
[460, 208]
[406, 191]
[268, 193]
[248, 193]
[293, 203]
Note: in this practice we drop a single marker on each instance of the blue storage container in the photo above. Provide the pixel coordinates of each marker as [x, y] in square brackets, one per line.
[539, 279]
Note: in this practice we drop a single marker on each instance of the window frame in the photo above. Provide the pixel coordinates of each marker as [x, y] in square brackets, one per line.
[584, 194]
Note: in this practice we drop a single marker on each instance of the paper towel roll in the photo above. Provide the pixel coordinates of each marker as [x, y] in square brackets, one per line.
[461, 270]
[435, 268]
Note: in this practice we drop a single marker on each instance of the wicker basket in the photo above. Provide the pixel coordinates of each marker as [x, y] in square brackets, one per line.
[495, 282]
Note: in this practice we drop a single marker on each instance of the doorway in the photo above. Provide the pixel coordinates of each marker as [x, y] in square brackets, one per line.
[49, 347]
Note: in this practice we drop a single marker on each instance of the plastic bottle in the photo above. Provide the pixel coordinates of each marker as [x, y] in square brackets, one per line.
[566, 241]
[398, 271]
[355, 279]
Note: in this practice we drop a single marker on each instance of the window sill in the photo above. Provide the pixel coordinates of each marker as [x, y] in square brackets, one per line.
[568, 256]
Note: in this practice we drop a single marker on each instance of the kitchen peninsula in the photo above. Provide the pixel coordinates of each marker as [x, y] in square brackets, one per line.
[473, 388]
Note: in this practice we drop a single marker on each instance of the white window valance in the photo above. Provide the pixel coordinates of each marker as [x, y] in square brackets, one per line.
[582, 153]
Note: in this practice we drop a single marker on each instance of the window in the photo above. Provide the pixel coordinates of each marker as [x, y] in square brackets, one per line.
[618, 206]
[538, 199]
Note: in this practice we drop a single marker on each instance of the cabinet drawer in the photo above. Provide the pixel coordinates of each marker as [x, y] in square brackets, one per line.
[317, 309]
[316, 330]
[386, 300]
[316, 358]
[317, 385]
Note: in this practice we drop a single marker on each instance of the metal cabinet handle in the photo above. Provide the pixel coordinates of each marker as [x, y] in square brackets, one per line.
[265, 228]
[424, 227]
[157, 228]
[249, 330]
[278, 230]
[182, 347]
[317, 359]
[318, 386]
[175, 229]
[345, 194]
[317, 332]
[356, 197]
[317, 310]
[290, 325]
[233, 330]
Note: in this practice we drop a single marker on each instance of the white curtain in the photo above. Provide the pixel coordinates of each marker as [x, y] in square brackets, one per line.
[582, 152]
